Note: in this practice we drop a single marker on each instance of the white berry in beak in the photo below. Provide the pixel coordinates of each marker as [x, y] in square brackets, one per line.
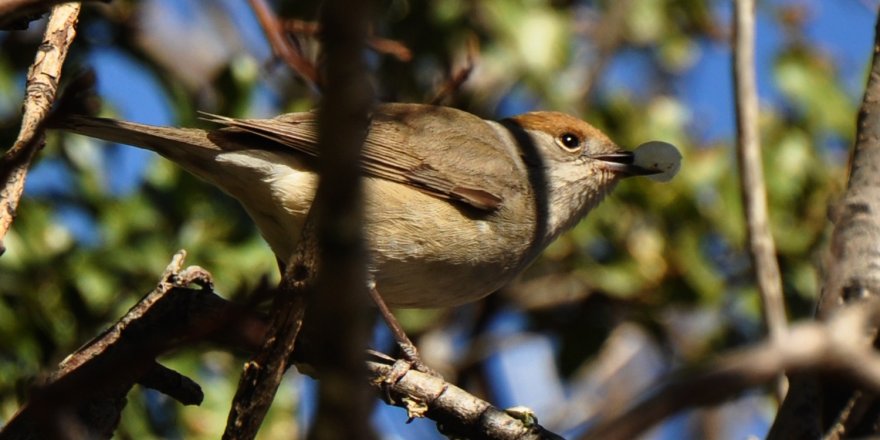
[661, 157]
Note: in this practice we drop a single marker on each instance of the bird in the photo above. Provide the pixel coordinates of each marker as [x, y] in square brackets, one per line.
[455, 206]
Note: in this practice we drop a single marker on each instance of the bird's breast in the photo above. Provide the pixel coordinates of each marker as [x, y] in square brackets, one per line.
[429, 252]
[426, 251]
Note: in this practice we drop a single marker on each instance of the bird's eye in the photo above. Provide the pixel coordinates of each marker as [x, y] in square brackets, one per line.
[569, 141]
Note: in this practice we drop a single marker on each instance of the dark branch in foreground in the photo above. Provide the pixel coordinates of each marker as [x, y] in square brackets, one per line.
[263, 373]
[339, 305]
[86, 394]
[89, 387]
[327, 272]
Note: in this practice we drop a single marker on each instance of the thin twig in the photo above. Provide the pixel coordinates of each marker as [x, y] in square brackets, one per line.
[282, 47]
[608, 36]
[761, 246]
[390, 47]
[17, 14]
[382, 45]
[42, 84]
[455, 82]
[301, 27]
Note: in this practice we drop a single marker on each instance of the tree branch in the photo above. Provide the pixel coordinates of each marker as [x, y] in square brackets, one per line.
[458, 413]
[754, 194]
[340, 307]
[607, 34]
[263, 373]
[17, 14]
[87, 391]
[381, 45]
[841, 346]
[853, 272]
[42, 84]
[455, 81]
[328, 270]
[282, 47]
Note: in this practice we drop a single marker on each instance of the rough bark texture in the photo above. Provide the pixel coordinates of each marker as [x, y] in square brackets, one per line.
[84, 397]
[824, 405]
[42, 85]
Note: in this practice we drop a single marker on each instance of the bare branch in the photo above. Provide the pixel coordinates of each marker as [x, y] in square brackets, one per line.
[281, 46]
[853, 272]
[854, 269]
[17, 14]
[843, 345]
[458, 413]
[607, 35]
[754, 194]
[87, 391]
[42, 84]
[99, 375]
[382, 45]
[263, 373]
[455, 82]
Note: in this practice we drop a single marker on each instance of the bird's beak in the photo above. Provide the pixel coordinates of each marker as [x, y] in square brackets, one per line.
[622, 162]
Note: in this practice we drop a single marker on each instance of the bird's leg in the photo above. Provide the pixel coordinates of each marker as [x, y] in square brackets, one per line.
[410, 353]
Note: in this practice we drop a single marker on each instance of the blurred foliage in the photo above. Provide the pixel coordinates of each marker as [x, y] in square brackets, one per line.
[81, 252]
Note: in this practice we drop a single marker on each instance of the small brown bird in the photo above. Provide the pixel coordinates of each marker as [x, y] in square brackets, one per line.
[455, 205]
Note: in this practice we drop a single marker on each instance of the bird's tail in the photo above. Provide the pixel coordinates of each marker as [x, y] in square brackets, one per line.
[77, 101]
[193, 149]
[167, 141]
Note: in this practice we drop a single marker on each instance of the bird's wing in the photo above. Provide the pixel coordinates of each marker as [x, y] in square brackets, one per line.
[398, 151]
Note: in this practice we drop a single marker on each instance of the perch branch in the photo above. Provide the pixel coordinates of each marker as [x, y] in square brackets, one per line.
[458, 413]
